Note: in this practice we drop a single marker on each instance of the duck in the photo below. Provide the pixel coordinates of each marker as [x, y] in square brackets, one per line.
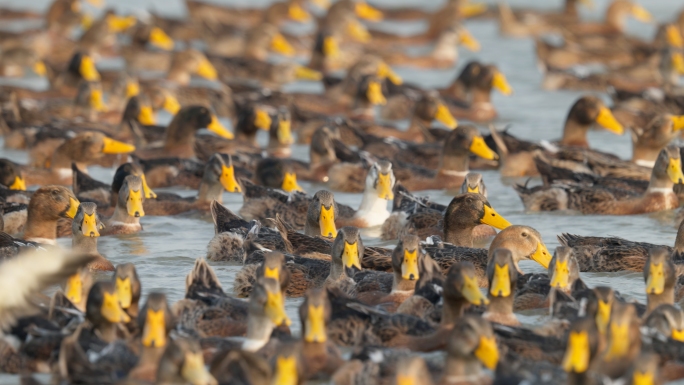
[562, 275]
[156, 322]
[584, 113]
[623, 341]
[524, 242]
[660, 278]
[85, 229]
[529, 22]
[38, 221]
[471, 348]
[129, 208]
[460, 221]
[277, 174]
[189, 62]
[128, 288]
[246, 17]
[144, 35]
[602, 200]
[11, 176]
[84, 149]
[502, 277]
[583, 349]
[180, 134]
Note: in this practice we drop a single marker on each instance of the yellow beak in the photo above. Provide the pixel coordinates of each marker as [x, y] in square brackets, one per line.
[541, 255]
[171, 105]
[577, 353]
[305, 73]
[275, 309]
[39, 68]
[606, 120]
[480, 148]
[367, 12]
[641, 14]
[285, 132]
[280, 45]
[374, 94]
[501, 282]
[154, 331]
[443, 115]
[385, 71]
[297, 13]
[194, 371]
[472, 293]
[330, 47]
[677, 335]
[124, 292]
[603, 316]
[73, 207]
[493, 218]
[500, 83]
[112, 146]
[272, 273]
[118, 24]
[677, 122]
[475, 189]
[290, 183]
[487, 352]
[285, 372]
[640, 378]
[89, 226]
[160, 39]
[262, 119]
[674, 37]
[619, 341]
[678, 62]
[149, 194]
[468, 41]
[327, 222]
[217, 128]
[111, 309]
[86, 19]
[315, 325]
[134, 204]
[358, 31]
[132, 88]
[472, 10]
[18, 184]
[228, 180]
[350, 255]
[655, 284]
[561, 275]
[384, 186]
[409, 266]
[674, 171]
[74, 289]
[96, 101]
[146, 116]
[206, 70]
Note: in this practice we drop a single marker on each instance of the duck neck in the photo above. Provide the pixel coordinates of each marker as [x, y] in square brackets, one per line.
[616, 17]
[462, 370]
[458, 234]
[83, 244]
[644, 155]
[458, 90]
[578, 378]
[259, 331]
[372, 206]
[401, 284]
[575, 134]
[180, 138]
[337, 271]
[61, 158]
[312, 229]
[500, 305]
[655, 300]
[121, 216]
[38, 226]
[481, 96]
[453, 164]
[660, 183]
[209, 191]
[107, 332]
[452, 311]
[150, 356]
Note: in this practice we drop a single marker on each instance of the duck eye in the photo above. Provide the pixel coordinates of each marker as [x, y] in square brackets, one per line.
[524, 234]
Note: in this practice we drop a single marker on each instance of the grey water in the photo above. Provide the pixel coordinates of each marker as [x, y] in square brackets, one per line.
[164, 252]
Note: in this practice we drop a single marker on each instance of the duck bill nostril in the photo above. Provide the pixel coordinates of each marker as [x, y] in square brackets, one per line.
[137, 214]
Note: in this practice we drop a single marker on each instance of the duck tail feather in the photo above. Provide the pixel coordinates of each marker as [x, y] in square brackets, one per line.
[202, 279]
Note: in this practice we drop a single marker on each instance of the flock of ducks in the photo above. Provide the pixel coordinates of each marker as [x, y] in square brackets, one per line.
[368, 315]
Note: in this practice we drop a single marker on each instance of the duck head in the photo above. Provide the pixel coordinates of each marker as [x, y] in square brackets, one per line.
[314, 314]
[103, 309]
[524, 242]
[131, 197]
[660, 278]
[406, 258]
[431, 107]
[183, 362]
[274, 266]
[128, 288]
[474, 183]
[320, 217]
[461, 290]
[11, 176]
[471, 347]
[77, 287]
[347, 252]
[563, 269]
[156, 321]
[277, 173]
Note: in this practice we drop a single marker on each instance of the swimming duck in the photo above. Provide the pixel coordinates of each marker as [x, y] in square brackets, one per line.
[502, 277]
[83, 150]
[582, 352]
[277, 174]
[599, 200]
[527, 22]
[246, 17]
[129, 208]
[104, 311]
[155, 322]
[138, 57]
[180, 134]
[525, 243]
[562, 275]
[85, 229]
[472, 347]
[11, 175]
[186, 63]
